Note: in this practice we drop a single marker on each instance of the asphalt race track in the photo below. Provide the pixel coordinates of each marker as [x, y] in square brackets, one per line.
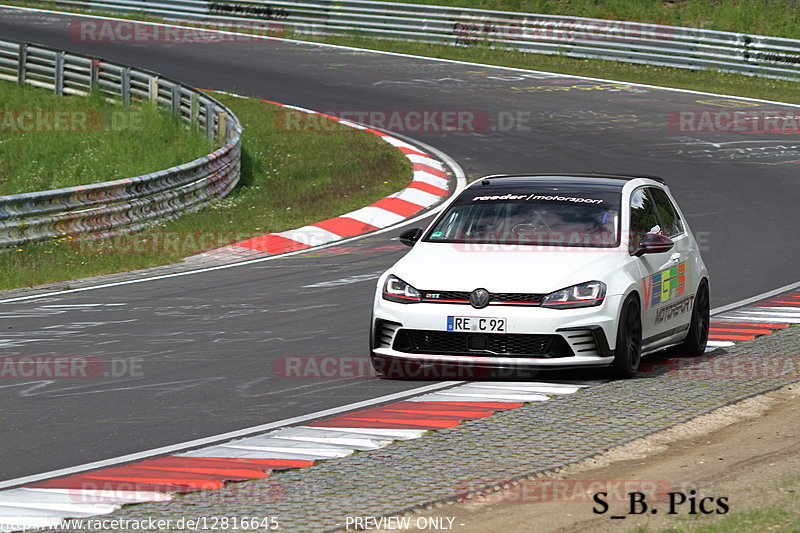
[201, 354]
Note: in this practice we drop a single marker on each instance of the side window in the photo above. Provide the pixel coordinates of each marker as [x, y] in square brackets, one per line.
[671, 223]
[643, 216]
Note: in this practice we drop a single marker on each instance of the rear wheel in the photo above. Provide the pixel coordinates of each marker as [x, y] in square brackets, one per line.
[628, 351]
[697, 338]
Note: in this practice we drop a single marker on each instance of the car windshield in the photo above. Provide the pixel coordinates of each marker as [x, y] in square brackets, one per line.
[553, 216]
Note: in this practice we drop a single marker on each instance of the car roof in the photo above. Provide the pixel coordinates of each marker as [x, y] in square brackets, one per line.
[593, 181]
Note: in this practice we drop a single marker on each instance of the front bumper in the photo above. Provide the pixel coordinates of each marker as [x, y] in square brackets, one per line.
[535, 337]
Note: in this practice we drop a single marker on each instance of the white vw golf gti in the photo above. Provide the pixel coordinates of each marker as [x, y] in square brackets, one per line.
[543, 271]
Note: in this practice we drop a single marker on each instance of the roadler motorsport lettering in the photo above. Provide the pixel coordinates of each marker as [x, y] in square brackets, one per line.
[668, 312]
[538, 197]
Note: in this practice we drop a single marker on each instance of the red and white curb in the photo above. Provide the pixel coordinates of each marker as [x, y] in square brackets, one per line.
[47, 503]
[429, 186]
[754, 320]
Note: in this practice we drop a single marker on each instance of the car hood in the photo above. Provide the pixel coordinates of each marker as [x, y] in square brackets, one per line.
[451, 267]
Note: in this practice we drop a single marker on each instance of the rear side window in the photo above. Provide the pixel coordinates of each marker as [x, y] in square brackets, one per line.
[671, 223]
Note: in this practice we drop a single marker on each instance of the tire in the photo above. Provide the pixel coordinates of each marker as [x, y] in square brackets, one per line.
[628, 350]
[697, 338]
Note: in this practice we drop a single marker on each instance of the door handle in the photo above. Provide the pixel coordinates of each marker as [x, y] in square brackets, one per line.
[676, 257]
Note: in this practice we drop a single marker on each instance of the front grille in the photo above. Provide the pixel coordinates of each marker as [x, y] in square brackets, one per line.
[495, 298]
[445, 297]
[456, 343]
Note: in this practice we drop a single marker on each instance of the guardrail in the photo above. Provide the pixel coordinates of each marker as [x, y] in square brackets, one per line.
[634, 42]
[104, 209]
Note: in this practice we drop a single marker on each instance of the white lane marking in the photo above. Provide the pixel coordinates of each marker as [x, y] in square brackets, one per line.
[223, 437]
[343, 281]
[724, 319]
[81, 305]
[350, 441]
[306, 453]
[718, 344]
[484, 397]
[792, 311]
[395, 434]
[522, 388]
[762, 296]
[107, 496]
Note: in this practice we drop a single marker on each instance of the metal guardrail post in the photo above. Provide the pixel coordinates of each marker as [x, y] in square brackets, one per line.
[125, 82]
[176, 100]
[22, 63]
[209, 121]
[222, 127]
[194, 110]
[152, 89]
[58, 80]
[94, 74]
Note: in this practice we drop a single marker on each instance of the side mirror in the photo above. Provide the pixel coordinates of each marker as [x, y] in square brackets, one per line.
[410, 236]
[653, 243]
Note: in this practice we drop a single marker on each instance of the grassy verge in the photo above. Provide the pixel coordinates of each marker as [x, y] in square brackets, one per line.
[291, 176]
[47, 142]
[781, 512]
[765, 17]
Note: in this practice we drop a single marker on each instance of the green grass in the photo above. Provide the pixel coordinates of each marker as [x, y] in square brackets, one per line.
[289, 179]
[764, 518]
[765, 17]
[47, 142]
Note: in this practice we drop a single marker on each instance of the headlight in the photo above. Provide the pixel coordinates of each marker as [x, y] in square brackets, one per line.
[397, 290]
[586, 294]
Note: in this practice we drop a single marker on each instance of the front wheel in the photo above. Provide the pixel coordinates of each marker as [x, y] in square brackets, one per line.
[628, 351]
[697, 338]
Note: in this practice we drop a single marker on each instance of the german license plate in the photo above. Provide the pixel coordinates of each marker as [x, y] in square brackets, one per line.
[476, 324]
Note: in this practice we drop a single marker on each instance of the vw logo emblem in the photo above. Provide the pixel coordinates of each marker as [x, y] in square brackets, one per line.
[479, 298]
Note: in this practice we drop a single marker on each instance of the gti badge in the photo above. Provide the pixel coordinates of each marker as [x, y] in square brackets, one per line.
[479, 298]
